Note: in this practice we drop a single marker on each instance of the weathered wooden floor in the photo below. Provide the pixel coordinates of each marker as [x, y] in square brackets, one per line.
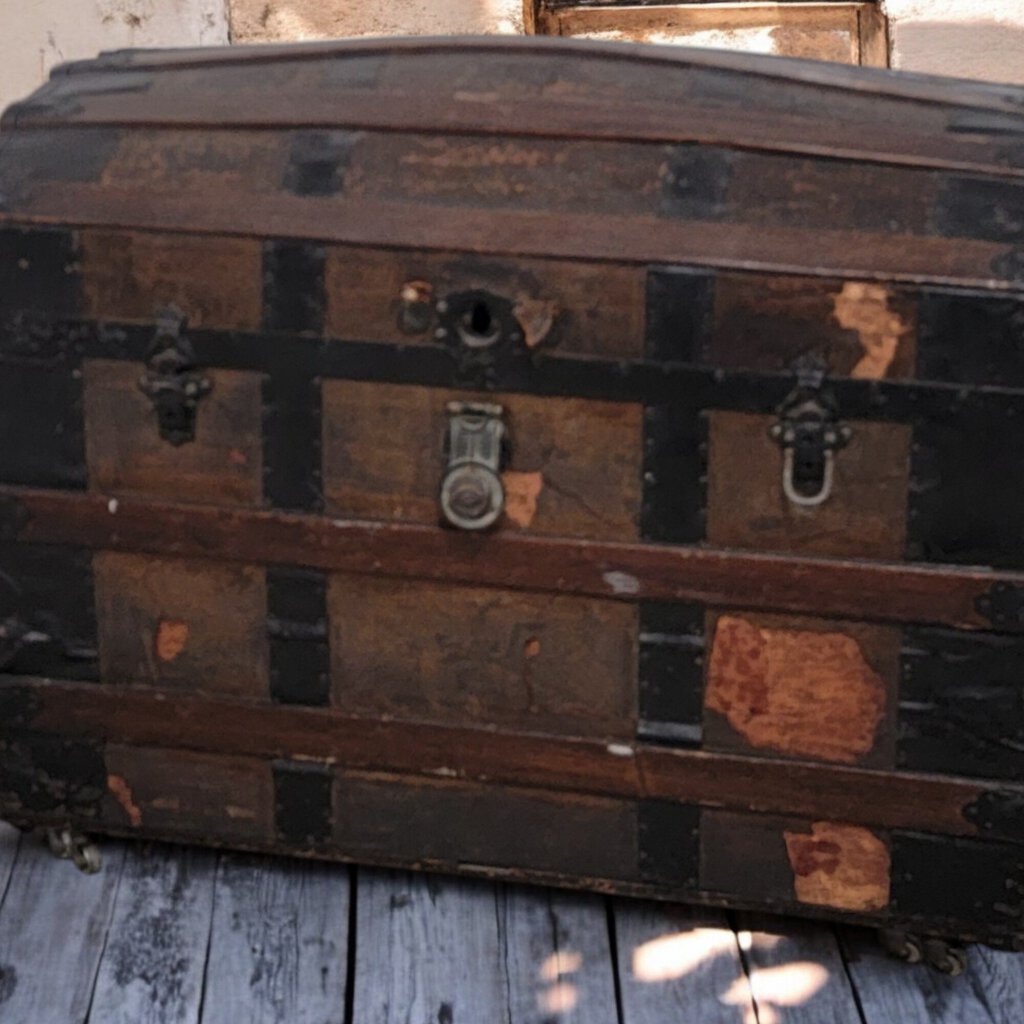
[173, 935]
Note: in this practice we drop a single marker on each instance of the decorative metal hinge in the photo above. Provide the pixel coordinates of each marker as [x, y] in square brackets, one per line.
[472, 494]
[170, 382]
[809, 433]
[1003, 605]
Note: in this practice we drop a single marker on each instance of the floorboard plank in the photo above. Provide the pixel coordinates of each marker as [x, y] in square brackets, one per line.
[9, 839]
[279, 942]
[557, 956]
[152, 967]
[52, 928]
[796, 971]
[991, 991]
[427, 950]
[679, 963]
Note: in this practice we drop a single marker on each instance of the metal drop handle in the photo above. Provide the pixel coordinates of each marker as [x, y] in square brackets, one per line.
[472, 496]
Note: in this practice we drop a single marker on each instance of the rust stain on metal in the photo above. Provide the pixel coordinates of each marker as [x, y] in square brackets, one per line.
[171, 638]
[864, 308]
[536, 317]
[796, 692]
[121, 792]
[522, 491]
[841, 866]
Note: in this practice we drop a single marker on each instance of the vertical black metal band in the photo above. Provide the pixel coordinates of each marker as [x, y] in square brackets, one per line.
[293, 301]
[303, 797]
[671, 672]
[41, 418]
[297, 632]
[669, 851]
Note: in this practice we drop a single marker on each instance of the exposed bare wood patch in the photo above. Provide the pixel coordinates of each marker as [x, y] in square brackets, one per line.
[536, 317]
[521, 493]
[865, 308]
[123, 795]
[800, 693]
[171, 637]
[841, 866]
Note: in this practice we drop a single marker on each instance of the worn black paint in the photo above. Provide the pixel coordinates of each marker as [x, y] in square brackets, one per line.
[293, 287]
[680, 315]
[695, 184]
[318, 162]
[646, 381]
[32, 156]
[999, 814]
[966, 502]
[297, 631]
[970, 338]
[668, 852]
[49, 587]
[671, 671]
[958, 883]
[1003, 605]
[303, 812]
[46, 775]
[39, 271]
[961, 709]
[991, 209]
[293, 301]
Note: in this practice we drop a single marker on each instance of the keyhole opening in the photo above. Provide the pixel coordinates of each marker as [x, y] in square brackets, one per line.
[478, 328]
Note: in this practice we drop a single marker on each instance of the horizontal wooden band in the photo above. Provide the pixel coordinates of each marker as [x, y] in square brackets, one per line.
[841, 588]
[601, 238]
[141, 717]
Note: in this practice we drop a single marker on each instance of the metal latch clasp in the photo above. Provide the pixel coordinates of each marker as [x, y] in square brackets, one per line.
[809, 433]
[169, 382]
[472, 494]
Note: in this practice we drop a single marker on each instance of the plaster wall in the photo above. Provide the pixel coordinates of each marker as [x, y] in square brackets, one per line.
[968, 38]
[37, 34]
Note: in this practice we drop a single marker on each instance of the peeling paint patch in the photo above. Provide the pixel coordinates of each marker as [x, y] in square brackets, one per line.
[536, 317]
[522, 491]
[794, 691]
[864, 308]
[620, 750]
[842, 866]
[121, 792]
[171, 638]
[236, 812]
[622, 582]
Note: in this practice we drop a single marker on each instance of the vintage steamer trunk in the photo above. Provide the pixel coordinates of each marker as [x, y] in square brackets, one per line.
[600, 466]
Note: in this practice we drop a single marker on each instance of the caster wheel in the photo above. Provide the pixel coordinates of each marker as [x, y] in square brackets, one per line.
[67, 844]
[951, 960]
[902, 945]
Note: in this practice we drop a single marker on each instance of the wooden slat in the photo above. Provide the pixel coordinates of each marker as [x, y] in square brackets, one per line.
[427, 949]
[676, 963]
[153, 965]
[890, 992]
[796, 971]
[556, 956]
[928, 803]
[52, 931]
[10, 839]
[279, 942]
[832, 587]
[866, 255]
